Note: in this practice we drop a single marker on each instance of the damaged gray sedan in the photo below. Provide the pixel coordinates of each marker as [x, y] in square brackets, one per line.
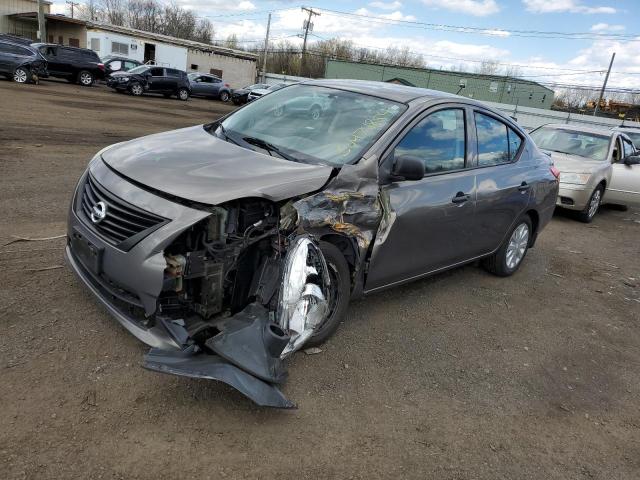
[227, 247]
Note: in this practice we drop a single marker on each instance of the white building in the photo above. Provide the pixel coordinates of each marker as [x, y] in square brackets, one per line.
[236, 67]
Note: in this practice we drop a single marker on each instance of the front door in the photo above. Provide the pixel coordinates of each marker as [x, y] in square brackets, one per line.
[431, 218]
[624, 187]
[157, 81]
[149, 53]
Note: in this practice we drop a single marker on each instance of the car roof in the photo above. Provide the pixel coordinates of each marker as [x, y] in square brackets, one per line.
[581, 128]
[389, 91]
[16, 43]
[627, 128]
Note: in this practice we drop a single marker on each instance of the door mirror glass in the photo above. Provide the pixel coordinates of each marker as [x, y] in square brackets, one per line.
[407, 167]
[632, 160]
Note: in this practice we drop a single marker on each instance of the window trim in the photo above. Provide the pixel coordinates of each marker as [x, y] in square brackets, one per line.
[497, 118]
[468, 156]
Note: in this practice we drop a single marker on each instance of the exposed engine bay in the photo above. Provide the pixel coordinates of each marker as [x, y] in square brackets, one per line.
[244, 286]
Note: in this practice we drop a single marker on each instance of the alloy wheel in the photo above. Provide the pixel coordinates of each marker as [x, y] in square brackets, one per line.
[517, 246]
[594, 203]
[136, 89]
[183, 94]
[20, 75]
[224, 97]
[86, 78]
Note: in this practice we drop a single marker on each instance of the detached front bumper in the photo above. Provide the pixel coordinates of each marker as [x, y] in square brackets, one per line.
[573, 197]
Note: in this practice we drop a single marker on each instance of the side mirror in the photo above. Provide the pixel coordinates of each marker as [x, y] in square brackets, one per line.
[632, 160]
[406, 167]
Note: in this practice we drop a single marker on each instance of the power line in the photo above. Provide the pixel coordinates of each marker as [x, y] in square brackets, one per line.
[491, 31]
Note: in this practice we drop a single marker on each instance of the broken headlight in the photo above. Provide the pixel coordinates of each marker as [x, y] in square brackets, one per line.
[302, 304]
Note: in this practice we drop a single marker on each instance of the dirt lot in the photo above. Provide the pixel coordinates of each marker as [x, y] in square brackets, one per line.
[460, 376]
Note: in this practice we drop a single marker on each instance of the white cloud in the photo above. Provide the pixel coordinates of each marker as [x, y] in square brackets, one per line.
[496, 32]
[560, 6]
[386, 6]
[397, 15]
[478, 8]
[605, 27]
[58, 9]
[212, 6]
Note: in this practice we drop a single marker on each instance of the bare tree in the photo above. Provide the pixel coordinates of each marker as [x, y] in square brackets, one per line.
[488, 67]
[113, 11]
[231, 41]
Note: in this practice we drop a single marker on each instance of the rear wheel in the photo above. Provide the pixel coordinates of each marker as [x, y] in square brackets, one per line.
[20, 75]
[183, 94]
[85, 78]
[136, 89]
[593, 205]
[339, 293]
[508, 258]
[315, 112]
[224, 97]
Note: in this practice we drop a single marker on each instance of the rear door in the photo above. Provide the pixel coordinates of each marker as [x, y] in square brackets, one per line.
[503, 181]
[624, 187]
[431, 229]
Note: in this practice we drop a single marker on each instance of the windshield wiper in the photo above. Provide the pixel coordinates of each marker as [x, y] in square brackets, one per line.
[269, 147]
[226, 135]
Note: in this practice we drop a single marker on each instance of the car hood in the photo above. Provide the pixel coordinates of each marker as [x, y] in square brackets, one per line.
[192, 164]
[260, 91]
[575, 163]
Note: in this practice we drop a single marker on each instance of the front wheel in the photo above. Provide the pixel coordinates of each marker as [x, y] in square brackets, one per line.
[339, 293]
[508, 258]
[136, 89]
[224, 97]
[85, 78]
[592, 207]
[20, 75]
[183, 94]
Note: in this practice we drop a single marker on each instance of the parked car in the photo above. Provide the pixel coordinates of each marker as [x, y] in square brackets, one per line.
[597, 166]
[209, 86]
[21, 62]
[114, 64]
[228, 246]
[77, 65]
[239, 96]
[152, 79]
[259, 92]
[632, 132]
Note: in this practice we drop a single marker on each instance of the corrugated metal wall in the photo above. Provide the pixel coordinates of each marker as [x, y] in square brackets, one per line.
[486, 88]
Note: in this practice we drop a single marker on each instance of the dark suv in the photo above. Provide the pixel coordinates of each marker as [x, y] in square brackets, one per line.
[78, 65]
[21, 62]
[152, 79]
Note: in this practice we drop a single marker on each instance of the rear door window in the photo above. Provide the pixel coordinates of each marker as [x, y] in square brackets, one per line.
[157, 72]
[627, 147]
[439, 140]
[497, 143]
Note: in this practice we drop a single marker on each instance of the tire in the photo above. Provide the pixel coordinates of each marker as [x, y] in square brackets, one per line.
[508, 258]
[136, 89]
[183, 94]
[224, 97]
[85, 78]
[339, 303]
[590, 210]
[315, 112]
[21, 75]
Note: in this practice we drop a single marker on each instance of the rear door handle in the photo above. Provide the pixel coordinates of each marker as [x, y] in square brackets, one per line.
[460, 198]
[524, 186]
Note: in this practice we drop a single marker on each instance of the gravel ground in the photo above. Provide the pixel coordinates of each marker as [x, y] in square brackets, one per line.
[459, 376]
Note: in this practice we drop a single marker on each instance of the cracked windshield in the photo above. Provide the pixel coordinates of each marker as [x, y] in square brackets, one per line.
[312, 124]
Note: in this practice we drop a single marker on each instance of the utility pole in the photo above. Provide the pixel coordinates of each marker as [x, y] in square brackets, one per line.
[266, 48]
[42, 27]
[604, 85]
[73, 4]
[307, 25]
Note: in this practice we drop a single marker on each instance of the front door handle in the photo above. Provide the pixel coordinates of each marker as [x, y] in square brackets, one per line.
[460, 198]
[524, 186]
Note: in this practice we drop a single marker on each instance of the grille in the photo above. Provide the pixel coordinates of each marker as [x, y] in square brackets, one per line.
[124, 224]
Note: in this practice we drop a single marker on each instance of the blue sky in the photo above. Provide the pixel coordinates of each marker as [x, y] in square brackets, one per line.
[544, 59]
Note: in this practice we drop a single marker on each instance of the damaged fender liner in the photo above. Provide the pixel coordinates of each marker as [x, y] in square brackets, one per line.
[187, 364]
